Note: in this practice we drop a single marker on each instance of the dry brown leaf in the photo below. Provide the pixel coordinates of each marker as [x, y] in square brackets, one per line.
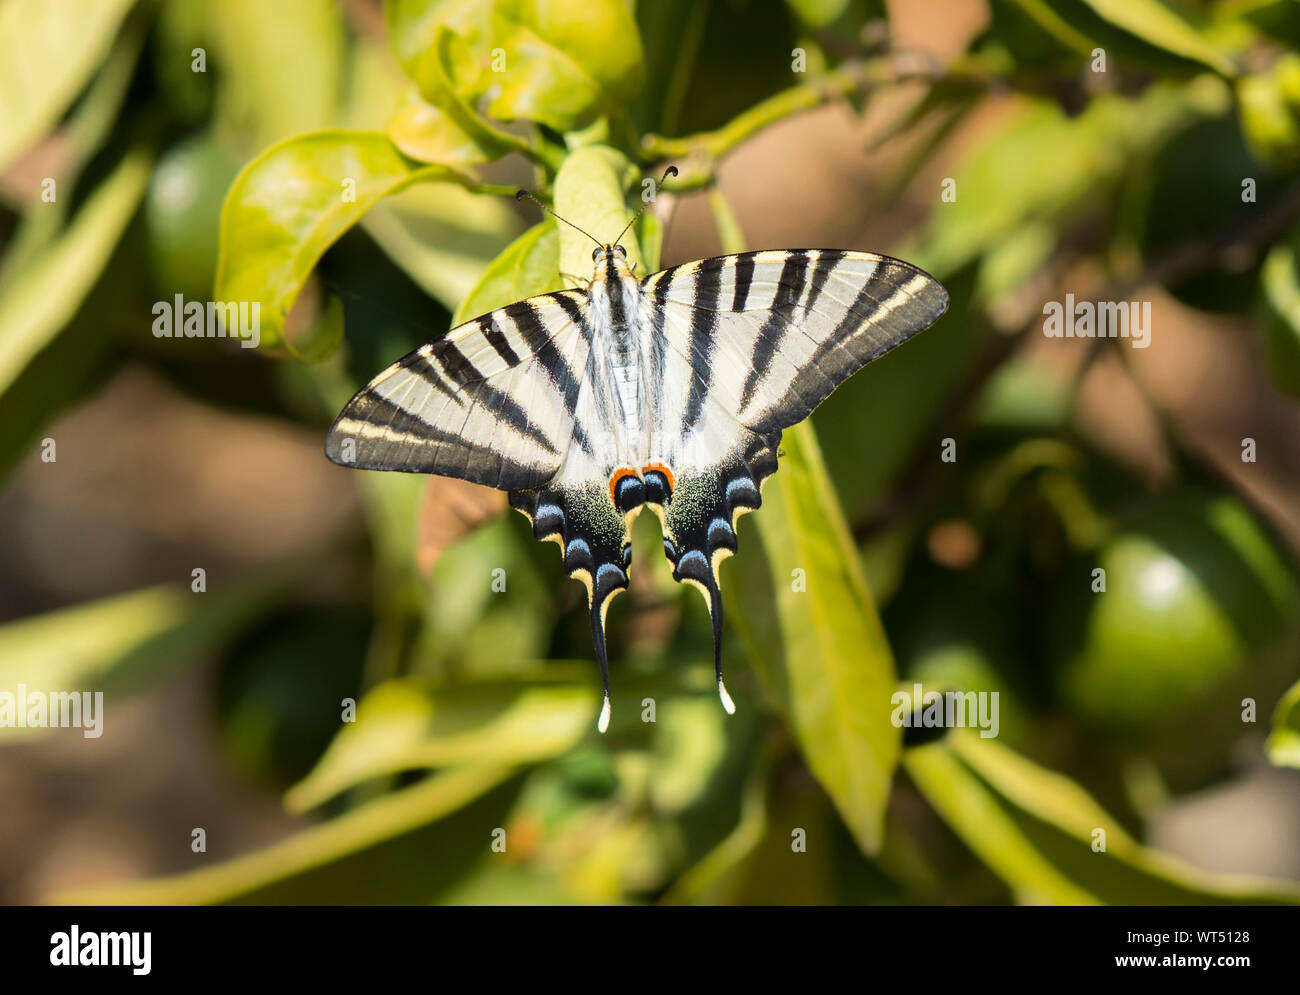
[450, 510]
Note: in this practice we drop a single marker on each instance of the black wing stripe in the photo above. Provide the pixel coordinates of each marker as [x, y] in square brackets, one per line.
[742, 279]
[458, 368]
[418, 364]
[572, 386]
[412, 437]
[789, 287]
[704, 320]
[497, 340]
[542, 345]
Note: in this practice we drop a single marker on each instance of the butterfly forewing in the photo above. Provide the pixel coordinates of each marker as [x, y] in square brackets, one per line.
[785, 328]
[494, 402]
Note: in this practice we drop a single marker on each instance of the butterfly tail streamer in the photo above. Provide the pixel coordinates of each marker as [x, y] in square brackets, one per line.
[602, 655]
[597, 551]
[699, 519]
[713, 596]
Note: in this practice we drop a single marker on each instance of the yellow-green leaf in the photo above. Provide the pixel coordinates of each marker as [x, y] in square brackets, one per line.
[48, 52]
[589, 193]
[40, 300]
[413, 26]
[1052, 843]
[293, 202]
[1284, 742]
[564, 64]
[403, 726]
[1144, 32]
[801, 602]
[310, 850]
[529, 266]
[428, 133]
[111, 644]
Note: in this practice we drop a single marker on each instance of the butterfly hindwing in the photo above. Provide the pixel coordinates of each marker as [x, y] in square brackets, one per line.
[596, 545]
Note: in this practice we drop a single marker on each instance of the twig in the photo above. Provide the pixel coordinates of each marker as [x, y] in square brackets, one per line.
[847, 79]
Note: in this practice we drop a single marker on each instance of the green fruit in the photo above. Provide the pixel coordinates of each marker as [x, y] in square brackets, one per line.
[183, 215]
[1194, 590]
[1268, 104]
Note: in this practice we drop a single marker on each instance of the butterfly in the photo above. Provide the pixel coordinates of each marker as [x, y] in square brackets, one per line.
[667, 392]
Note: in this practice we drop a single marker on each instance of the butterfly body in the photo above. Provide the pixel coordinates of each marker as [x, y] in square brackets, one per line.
[668, 393]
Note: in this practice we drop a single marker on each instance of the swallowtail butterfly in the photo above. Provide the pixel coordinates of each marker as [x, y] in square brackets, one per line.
[668, 392]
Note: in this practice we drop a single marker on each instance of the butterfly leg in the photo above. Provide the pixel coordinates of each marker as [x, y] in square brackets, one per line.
[597, 547]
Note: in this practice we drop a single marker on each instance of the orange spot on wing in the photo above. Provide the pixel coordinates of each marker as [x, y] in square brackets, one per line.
[619, 474]
[662, 468]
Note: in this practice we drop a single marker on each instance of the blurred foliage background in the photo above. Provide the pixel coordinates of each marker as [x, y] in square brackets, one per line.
[1116, 151]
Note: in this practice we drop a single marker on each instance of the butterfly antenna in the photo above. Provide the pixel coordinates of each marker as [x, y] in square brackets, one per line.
[670, 171]
[524, 193]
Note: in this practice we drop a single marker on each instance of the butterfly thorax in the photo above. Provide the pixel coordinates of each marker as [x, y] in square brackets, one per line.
[621, 349]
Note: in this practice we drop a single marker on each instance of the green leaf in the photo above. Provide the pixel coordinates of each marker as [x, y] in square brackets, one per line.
[89, 125]
[1141, 31]
[428, 133]
[324, 864]
[1036, 829]
[114, 643]
[1270, 111]
[818, 13]
[401, 726]
[1160, 27]
[48, 52]
[1284, 742]
[296, 199]
[589, 193]
[814, 637]
[650, 235]
[413, 25]
[281, 66]
[440, 79]
[565, 64]
[36, 303]
[528, 266]
[1280, 325]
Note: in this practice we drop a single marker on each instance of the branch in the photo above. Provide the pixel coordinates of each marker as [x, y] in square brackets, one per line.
[848, 79]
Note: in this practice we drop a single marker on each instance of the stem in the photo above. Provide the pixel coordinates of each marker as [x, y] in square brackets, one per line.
[730, 233]
[841, 82]
[493, 189]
